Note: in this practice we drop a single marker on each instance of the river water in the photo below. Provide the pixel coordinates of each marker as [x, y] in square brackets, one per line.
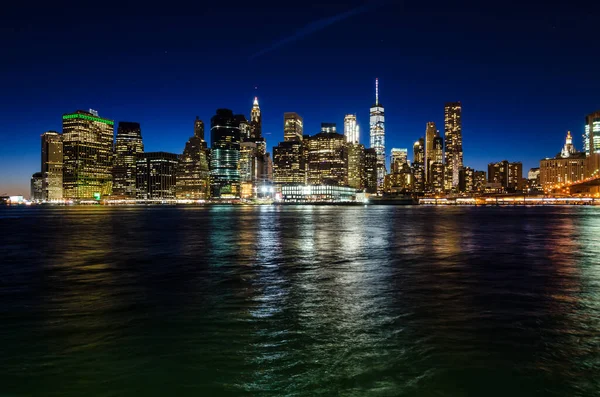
[299, 301]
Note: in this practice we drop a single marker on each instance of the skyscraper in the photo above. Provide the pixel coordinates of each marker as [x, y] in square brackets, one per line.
[430, 133]
[52, 166]
[87, 155]
[327, 157]
[156, 175]
[255, 121]
[419, 165]
[508, 175]
[193, 175]
[351, 129]
[377, 132]
[437, 164]
[288, 163]
[370, 182]
[356, 166]
[128, 145]
[36, 186]
[454, 151]
[592, 142]
[398, 158]
[292, 127]
[225, 139]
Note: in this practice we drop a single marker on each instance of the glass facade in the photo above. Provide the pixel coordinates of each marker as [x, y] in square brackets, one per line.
[592, 133]
[193, 176]
[351, 129]
[128, 144]
[156, 175]
[454, 150]
[293, 127]
[288, 163]
[377, 135]
[327, 157]
[225, 138]
[317, 193]
[87, 155]
[430, 133]
[52, 166]
[419, 165]
[356, 166]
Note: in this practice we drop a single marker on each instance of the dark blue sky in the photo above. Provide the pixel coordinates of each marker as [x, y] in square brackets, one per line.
[524, 72]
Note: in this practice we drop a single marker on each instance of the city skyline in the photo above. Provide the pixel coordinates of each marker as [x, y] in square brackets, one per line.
[164, 81]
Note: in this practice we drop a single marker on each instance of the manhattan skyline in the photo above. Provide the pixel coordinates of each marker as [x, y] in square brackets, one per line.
[519, 95]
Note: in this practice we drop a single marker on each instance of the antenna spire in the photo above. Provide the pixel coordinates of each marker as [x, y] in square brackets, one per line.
[376, 91]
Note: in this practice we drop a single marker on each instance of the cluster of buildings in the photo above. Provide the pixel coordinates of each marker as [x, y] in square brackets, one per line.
[87, 161]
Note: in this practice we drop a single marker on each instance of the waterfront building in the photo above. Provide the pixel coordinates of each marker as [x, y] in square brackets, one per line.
[419, 165]
[437, 177]
[128, 144]
[532, 184]
[351, 129]
[156, 176]
[225, 154]
[293, 129]
[430, 133]
[377, 135]
[466, 180]
[508, 175]
[87, 155]
[592, 142]
[193, 175]
[356, 166]
[398, 158]
[567, 166]
[288, 163]
[317, 193]
[36, 187]
[327, 157]
[52, 166]
[400, 181]
[479, 181]
[370, 171]
[454, 150]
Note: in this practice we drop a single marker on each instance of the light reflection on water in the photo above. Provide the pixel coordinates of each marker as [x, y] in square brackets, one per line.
[300, 301]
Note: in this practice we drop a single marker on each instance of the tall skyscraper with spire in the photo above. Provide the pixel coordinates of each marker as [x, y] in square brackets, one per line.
[454, 150]
[255, 121]
[377, 132]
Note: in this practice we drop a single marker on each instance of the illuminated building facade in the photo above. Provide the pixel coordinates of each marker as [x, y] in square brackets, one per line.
[437, 177]
[419, 165]
[193, 175]
[398, 158]
[592, 142]
[370, 181]
[454, 150]
[293, 127]
[377, 135]
[156, 176]
[255, 121]
[52, 166]
[36, 187]
[567, 166]
[87, 155]
[430, 133]
[351, 129]
[399, 181]
[318, 193]
[508, 175]
[327, 157]
[128, 144]
[356, 166]
[479, 181]
[225, 155]
[288, 163]
[466, 180]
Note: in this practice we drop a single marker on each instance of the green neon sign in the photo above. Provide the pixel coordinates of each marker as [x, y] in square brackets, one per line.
[86, 117]
[97, 196]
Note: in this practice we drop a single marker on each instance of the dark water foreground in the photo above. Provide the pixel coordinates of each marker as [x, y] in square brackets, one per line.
[300, 301]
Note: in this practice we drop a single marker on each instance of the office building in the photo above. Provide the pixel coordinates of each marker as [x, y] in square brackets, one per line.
[128, 144]
[454, 150]
[36, 187]
[356, 166]
[255, 121]
[377, 135]
[479, 181]
[225, 155]
[87, 155]
[193, 175]
[370, 176]
[52, 166]
[401, 181]
[156, 176]
[327, 157]
[567, 166]
[508, 175]
[398, 158]
[430, 133]
[317, 193]
[419, 165]
[592, 143]
[466, 180]
[293, 129]
[532, 184]
[351, 129]
[288, 163]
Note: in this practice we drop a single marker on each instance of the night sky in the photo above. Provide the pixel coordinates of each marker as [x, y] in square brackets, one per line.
[524, 72]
